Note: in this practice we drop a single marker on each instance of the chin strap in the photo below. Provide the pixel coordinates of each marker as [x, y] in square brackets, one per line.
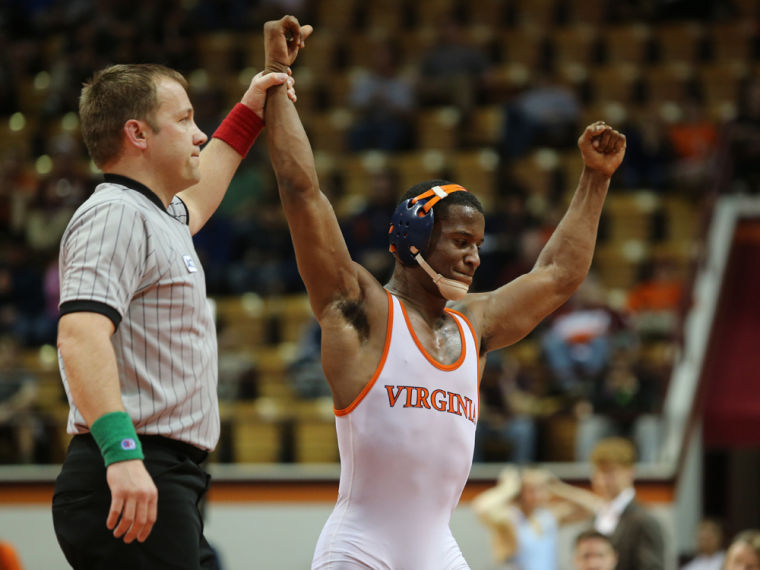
[450, 289]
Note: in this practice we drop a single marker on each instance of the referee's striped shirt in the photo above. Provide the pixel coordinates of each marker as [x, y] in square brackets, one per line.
[127, 257]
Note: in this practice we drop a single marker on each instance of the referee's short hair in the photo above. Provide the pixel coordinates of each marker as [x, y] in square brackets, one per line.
[113, 96]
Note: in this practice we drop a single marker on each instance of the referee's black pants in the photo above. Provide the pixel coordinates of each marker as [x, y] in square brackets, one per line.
[82, 500]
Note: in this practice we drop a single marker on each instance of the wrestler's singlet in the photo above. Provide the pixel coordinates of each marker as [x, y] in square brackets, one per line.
[406, 446]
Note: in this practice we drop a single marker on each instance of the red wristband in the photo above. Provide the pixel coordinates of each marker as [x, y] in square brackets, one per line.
[240, 128]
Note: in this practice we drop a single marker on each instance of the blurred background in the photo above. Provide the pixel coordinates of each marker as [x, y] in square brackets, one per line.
[658, 345]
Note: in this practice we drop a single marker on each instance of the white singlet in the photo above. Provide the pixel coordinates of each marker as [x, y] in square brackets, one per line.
[406, 446]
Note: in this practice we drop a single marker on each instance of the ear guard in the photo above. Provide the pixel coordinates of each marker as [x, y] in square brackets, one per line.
[412, 223]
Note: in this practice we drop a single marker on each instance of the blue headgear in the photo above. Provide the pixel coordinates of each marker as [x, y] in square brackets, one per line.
[412, 222]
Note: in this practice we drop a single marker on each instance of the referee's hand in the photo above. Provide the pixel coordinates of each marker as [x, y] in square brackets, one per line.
[134, 500]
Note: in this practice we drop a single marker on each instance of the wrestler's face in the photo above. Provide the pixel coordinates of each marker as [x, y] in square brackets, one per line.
[455, 243]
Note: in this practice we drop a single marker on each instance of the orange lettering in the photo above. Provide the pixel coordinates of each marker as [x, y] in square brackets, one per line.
[439, 400]
[409, 391]
[459, 401]
[471, 408]
[422, 396]
[391, 398]
[439, 405]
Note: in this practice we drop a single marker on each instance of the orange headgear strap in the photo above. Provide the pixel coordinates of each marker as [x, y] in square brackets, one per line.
[437, 193]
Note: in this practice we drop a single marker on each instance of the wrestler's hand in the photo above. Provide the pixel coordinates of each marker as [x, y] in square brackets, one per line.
[134, 500]
[256, 94]
[282, 40]
[602, 148]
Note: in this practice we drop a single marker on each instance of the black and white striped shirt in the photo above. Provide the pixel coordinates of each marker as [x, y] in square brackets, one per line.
[127, 257]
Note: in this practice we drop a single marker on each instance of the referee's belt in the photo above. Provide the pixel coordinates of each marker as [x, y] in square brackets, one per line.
[161, 442]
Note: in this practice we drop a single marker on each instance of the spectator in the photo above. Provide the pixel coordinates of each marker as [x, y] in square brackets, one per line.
[51, 290]
[739, 155]
[649, 155]
[507, 251]
[263, 259]
[20, 427]
[239, 378]
[366, 230]
[306, 374]
[529, 244]
[594, 551]
[654, 301]
[22, 298]
[382, 101]
[744, 552]
[623, 402]
[522, 520]
[227, 244]
[221, 15]
[452, 72]
[18, 183]
[506, 412]
[93, 38]
[579, 341]
[247, 189]
[58, 195]
[634, 532]
[710, 554]
[693, 138]
[544, 114]
[174, 31]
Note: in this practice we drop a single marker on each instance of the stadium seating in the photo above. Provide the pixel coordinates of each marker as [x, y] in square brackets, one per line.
[620, 69]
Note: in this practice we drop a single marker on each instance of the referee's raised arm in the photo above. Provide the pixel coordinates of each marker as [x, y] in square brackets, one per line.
[229, 145]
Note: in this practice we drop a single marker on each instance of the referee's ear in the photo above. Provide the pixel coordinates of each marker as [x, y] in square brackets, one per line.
[134, 133]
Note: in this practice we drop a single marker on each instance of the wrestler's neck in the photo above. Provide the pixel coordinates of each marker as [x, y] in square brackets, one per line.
[418, 293]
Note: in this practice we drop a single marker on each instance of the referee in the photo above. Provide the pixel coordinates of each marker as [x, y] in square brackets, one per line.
[136, 338]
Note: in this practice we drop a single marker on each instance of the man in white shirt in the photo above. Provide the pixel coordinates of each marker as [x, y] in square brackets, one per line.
[709, 555]
[635, 534]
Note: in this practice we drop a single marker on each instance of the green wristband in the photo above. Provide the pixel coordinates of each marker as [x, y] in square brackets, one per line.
[116, 437]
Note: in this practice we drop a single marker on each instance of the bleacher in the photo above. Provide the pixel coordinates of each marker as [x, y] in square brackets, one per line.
[621, 71]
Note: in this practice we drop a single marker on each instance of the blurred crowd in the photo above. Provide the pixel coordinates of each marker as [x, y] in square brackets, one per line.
[498, 81]
[612, 527]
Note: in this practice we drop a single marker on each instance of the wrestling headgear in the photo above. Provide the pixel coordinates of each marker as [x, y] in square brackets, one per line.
[409, 234]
